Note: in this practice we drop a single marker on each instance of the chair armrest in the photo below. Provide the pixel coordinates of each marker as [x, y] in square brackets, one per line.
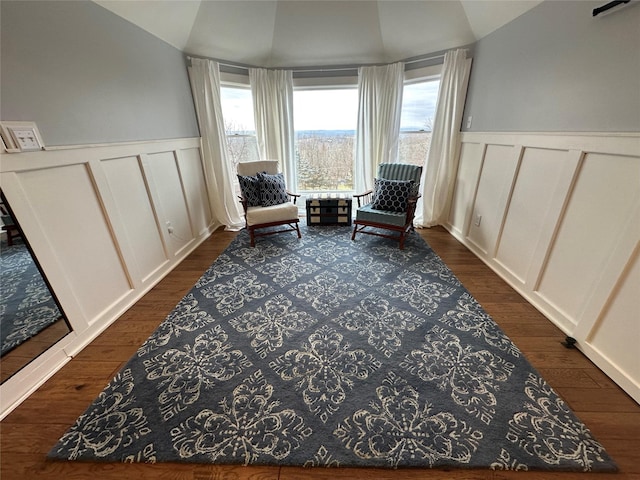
[244, 203]
[295, 196]
[363, 198]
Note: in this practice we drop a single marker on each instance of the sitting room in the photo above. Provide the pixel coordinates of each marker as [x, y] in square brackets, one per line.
[260, 239]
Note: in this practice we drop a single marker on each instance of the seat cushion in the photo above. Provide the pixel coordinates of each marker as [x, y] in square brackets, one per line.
[274, 213]
[272, 189]
[391, 195]
[368, 214]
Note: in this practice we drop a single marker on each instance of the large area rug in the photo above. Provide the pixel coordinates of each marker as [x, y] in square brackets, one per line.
[328, 352]
[26, 305]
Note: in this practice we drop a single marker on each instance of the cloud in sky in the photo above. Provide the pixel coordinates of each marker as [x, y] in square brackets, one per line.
[419, 105]
[237, 108]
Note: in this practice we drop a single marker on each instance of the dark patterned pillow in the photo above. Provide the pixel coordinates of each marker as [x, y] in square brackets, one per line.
[250, 187]
[390, 195]
[272, 189]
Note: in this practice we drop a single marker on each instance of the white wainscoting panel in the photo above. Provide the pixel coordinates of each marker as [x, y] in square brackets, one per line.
[169, 197]
[135, 211]
[561, 224]
[193, 179]
[531, 199]
[96, 218]
[471, 156]
[73, 220]
[496, 177]
[601, 201]
[610, 336]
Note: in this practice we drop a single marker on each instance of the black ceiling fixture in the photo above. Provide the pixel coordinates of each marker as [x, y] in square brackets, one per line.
[604, 8]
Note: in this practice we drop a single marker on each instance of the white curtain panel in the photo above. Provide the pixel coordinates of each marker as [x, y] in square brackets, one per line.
[272, 92]
[219, 174]
[380, 103]
[438, 176]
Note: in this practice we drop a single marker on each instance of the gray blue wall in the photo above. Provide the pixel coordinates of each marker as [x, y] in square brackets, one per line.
[85, 75]
[558, 69]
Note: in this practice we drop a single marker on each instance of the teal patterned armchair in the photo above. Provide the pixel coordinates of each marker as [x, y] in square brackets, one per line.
[388, 210]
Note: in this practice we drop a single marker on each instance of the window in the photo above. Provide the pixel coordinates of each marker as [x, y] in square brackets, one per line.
[325, 123]
[239, 124]
[416, 122]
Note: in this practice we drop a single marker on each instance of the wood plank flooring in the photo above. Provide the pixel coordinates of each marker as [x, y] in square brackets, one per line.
[21, 355]
[29, 432]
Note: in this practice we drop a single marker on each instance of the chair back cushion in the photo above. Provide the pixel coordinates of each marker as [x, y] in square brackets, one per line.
[402, 171]
[252, 168]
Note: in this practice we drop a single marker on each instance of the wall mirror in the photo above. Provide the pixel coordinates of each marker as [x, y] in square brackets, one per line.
[31, 319]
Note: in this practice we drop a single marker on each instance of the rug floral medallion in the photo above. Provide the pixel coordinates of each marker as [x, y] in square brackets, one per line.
[328, 352]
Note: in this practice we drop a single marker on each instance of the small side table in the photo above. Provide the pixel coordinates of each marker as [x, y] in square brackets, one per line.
[329, 209]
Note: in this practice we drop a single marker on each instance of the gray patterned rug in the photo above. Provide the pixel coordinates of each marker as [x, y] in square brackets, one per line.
[328, 352]
[26, 305]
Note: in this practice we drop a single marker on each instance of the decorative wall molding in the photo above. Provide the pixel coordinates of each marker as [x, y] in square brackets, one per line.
[619, 143]
[107, 223]
[557, 216]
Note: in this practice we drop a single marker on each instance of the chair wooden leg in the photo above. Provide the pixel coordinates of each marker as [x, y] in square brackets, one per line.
[252, 237]
[402, 237]
[355, 230]
[298, 230]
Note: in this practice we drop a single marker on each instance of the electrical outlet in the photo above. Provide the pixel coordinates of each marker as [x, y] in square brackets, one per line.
[478, 220]
[469, 119]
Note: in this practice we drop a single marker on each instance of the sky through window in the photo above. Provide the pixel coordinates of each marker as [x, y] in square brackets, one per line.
[334, 109]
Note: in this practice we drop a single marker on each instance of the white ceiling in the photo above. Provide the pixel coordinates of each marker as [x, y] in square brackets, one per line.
[294, 33]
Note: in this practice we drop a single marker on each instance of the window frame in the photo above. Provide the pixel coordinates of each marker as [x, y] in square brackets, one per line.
[412, 77]
[240, 85]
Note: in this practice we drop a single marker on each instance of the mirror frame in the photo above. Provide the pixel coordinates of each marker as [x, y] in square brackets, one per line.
[34, 258]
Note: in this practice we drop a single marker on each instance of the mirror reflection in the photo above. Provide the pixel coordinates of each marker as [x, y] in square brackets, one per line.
[31, 319]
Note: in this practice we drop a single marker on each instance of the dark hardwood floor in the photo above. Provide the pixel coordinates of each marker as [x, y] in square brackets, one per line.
[29, 432]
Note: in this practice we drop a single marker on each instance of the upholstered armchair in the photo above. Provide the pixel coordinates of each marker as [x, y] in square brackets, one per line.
[265, 200]
[388, 210]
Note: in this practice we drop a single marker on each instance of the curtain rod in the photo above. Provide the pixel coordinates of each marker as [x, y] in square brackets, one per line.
[321, 69]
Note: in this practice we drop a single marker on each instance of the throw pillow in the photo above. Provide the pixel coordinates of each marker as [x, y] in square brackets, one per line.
[391, 195]
[272, 189]
[250, 187]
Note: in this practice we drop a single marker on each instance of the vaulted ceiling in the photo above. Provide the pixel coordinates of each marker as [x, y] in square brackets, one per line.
[293, 33]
